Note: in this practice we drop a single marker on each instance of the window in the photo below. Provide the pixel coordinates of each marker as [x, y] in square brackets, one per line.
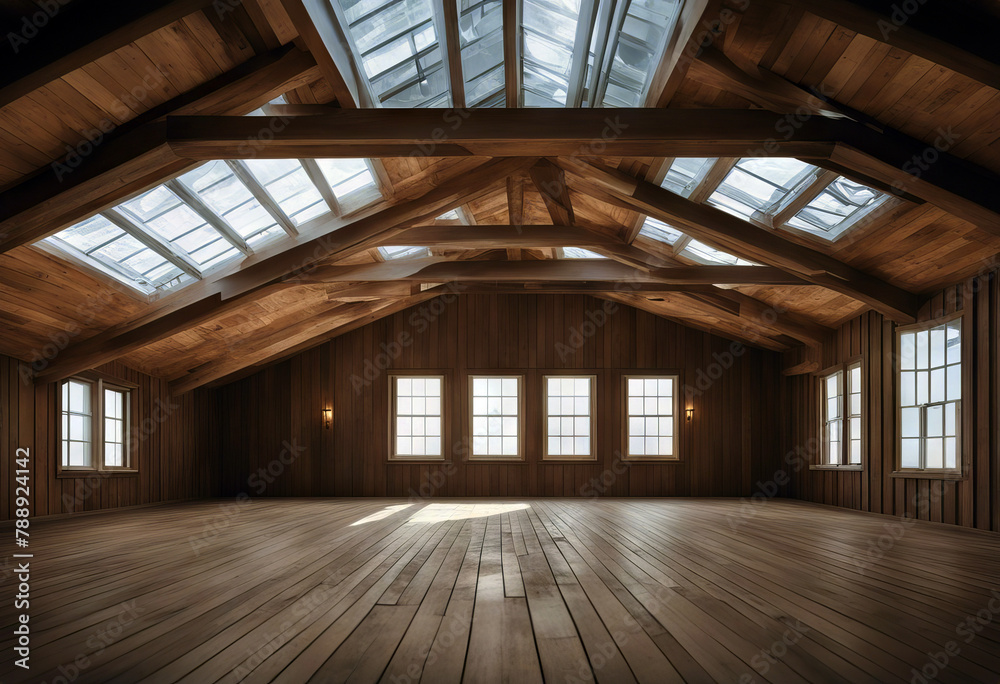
[579, 253]
[841, 405]
[569, 412]
[94, 425]
[417, 417]
[658, 230]
[702, 253]
[651, 409]
[496, 409]
[930, 397]
[403, 252]
[837, 208]
[686, 173]
[757, 186]
[480, 28]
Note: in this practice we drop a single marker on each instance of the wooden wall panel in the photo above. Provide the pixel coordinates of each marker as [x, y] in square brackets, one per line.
[729, 446]
[177, 449]
[973, 501]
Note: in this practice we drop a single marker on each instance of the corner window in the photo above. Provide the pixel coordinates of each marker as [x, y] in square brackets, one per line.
[651, 407]
[841, 405]
[569, 417]
[94, 425]
[417, 417]
[930, 397]
[496, 410]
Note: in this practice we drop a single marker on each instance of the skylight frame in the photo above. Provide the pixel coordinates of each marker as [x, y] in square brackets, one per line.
[879, 203]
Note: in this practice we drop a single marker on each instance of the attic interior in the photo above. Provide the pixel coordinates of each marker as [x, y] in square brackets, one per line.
[500, 341]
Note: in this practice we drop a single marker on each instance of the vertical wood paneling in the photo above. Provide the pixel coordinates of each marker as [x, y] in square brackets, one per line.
[973, 501]
[177, 456]
[731, 444]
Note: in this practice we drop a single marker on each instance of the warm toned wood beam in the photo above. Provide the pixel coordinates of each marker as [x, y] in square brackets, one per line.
[512, 52]
[363, 292]
[550, 181]
[500, 237]
[134, 157]
[760, 86]
[300, 337]
[316, 22]
[695, 27]
[371, 231]
[802, 361]
[515, 210]
[506, 132]
[437, 270]
[731, 234]
[975, 57]
[452, 50]
[57, 39]
[464, 287]
[341, 241]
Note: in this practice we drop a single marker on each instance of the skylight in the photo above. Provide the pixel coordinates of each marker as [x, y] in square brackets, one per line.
[580, 253]
[658, 230]
[397, 42]
[480, 29]
[838, 207]
[212, 217]
[686, 173]
[403, 252]
[636, 50]
[700, 252]
[758, 185]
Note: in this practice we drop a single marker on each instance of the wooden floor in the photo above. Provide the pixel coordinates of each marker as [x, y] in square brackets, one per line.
[553, 590]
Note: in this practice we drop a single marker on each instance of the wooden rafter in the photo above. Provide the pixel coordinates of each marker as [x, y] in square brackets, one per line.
[550, 181]
[134, 157]
[77, 34]
[728, 233]
[515, 211]
[512, 52]
[277, 271]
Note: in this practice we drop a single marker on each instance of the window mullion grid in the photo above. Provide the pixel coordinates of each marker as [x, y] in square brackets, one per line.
[175, 255]
[220, 224]
[607, 43]
[317, 178]
[581, 50]
[260, 193]
[807, 194]
[712, 179]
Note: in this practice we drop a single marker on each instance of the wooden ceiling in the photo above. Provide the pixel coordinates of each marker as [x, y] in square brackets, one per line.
[85, 127]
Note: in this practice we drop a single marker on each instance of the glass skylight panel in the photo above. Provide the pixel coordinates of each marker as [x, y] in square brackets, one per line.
[701, 252]
[403, 252]
[756, 186]
[162, 212]
[837, 208]
[398, 46]
[685, 174]
[580, 253]
[219, 188]
[347, 176]
[660, 231]
[289, 185]
[639, 45]
[128, 259]
[547, 38]
[480, 29]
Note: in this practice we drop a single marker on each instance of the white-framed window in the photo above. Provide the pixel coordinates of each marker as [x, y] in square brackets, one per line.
[652, 405]
[841, 405]
[930, 397]
[417, 424]
[569, 417]
[94, 425]
[496, 416]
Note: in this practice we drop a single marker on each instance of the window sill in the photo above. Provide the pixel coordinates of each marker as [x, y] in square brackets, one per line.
[417, 461]
[848, 468]
[928, 475]
[77, 474]
[661, 461]
[494, 461]
[559, 461]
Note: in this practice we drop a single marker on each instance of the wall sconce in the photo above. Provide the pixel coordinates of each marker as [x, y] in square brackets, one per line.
[327, 418]
[690, 415]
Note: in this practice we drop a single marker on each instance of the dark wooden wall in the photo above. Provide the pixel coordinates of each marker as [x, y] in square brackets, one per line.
[728, 447]
[973, 501]
[176, 446]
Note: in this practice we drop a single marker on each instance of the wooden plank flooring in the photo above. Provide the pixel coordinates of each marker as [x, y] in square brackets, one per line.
[476, 590]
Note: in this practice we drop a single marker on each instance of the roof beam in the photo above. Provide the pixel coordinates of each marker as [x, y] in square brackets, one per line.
[436, 270]
[514, 236]
[134, 157]
[268, 273]
[550, 180]
[741, 238]
[317, 23]
[448, 10]
[78, 34]
[512, 52]
[933, 38]
[695, 26]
